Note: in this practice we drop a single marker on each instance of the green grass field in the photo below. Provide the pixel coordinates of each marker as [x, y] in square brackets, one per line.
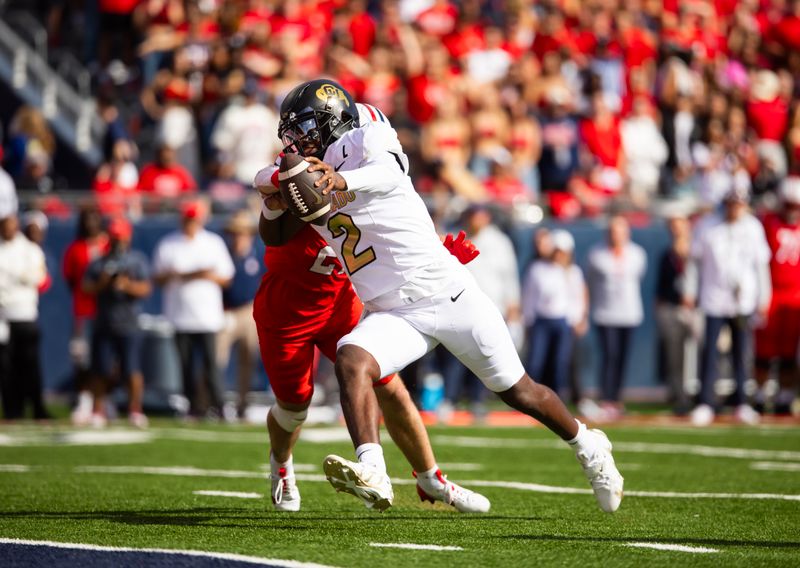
[58, 488]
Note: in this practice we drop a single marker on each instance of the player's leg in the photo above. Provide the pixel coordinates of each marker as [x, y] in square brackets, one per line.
[287, 353]
[382, 344]
[289, 368]
[473, 330]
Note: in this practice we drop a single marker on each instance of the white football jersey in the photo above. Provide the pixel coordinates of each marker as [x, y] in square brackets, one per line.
[380, 227]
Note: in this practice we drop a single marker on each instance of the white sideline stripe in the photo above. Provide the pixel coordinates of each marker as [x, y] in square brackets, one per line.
[14, 468]
[538, 488]
[202, 553]
[672, 547]
[303, 467]
[633, 447]
[775, 466]
[208, 436]
[325, 435]
[410, 546]
[522, 486]
[177, 471]
[76, 438]
[237, 494]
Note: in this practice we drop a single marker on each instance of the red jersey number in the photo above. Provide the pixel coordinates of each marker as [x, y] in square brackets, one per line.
[325, 262]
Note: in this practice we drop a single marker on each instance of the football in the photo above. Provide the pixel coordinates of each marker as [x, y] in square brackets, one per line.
[297, 188]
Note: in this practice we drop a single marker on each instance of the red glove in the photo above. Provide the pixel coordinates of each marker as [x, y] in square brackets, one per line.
[461, 247]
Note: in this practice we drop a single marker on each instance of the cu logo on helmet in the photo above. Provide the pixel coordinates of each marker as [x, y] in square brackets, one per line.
[327, 91]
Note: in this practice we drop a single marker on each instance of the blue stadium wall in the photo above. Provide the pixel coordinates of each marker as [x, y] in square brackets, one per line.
[56, 312]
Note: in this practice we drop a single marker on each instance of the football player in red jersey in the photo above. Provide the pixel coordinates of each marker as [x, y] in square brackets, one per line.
[779, 340]
[305, 301]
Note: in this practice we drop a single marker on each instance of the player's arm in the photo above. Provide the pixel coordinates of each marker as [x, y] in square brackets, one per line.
[382, 168]
[274, 228]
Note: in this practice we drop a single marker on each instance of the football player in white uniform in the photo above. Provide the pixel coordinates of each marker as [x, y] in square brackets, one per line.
[415, 294]
[287, 361]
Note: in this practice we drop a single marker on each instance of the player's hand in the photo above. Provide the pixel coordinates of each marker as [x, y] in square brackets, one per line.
[461, 247]
[275, 201]
[330, 180]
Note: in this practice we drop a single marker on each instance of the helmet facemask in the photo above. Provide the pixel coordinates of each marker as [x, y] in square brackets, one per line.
[310, 133]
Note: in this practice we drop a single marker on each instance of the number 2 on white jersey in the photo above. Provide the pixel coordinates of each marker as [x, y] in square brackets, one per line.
[342, 224]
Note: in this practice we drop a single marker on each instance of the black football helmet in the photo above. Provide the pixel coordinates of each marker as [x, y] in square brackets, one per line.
[314, 115]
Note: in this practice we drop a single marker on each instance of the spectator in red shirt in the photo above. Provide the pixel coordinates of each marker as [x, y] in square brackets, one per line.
[768, 116]
[361, 28]
[91, 243]
[165, 177]
[787, 30]
[502, 185]
[115, 182]
[438, 20]
[601, 137]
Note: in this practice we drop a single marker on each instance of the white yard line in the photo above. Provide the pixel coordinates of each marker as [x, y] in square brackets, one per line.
[192, 435]
[775, 466]
[177, 471]
[76, 438]
[220, 555]
[14, 468]
[304, 467]
[632, 447]
[410, 546]
[458, 466]
[672, 547]
[236, 494]
[519, 485]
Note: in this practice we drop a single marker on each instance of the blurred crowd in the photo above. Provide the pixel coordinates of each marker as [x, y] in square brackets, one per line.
[597, 108]
[571, 105]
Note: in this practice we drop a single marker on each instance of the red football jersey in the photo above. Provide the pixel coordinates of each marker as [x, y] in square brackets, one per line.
[303, 278]
[784, 241]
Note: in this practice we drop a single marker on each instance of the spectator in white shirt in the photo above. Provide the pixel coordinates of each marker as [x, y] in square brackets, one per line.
[553, 305]
[193, 265]
[8, 195]
[645, 151]
[615, 273]
[23, 272]
[728, 276]
[245, 135]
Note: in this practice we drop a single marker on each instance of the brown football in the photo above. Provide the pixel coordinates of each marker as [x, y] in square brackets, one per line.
[297, 188]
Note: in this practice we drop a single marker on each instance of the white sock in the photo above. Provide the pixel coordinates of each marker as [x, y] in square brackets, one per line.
[429, 481]
[583, 441]
[371, 454]
[275, 465]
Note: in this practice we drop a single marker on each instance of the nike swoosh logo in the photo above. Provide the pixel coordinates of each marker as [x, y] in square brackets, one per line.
[336, 169]
[457, 296]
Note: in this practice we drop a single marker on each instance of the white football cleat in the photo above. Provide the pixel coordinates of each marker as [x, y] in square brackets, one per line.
[462, 499]
[602, 472]
[285, 495]
[362, 480]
